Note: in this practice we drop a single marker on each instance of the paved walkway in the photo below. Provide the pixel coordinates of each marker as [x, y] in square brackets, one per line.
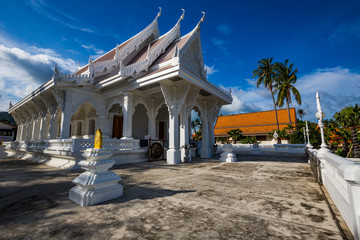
[257, 198]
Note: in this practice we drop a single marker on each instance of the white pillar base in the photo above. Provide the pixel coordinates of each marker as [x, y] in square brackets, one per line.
[205, 152]
[227, 155]
[173, 156]
[97, 184]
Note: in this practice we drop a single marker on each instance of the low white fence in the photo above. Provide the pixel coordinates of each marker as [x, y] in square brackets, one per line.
[71, 145]
[258, 148]
[341, 178]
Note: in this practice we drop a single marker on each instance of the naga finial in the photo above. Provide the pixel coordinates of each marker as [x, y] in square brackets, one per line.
[181, 17]
[201, 20]
[158, 15]
[56, 70]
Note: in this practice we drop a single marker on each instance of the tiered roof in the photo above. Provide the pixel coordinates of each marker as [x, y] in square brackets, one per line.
[256, 123]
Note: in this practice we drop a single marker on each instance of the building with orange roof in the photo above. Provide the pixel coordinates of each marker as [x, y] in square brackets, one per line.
[256, 124]
[144, 88]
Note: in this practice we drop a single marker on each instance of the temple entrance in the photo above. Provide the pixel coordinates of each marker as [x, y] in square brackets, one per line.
[117, 127]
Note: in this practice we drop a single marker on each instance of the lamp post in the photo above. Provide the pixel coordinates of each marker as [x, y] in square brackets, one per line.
[320, 115]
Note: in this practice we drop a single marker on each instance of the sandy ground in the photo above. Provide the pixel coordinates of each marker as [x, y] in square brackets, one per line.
[256, 198]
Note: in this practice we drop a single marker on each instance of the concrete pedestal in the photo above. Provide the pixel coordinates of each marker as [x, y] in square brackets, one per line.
[97, 184]
[227, 155]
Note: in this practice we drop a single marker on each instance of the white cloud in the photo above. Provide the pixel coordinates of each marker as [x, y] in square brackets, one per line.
[338, 87]
[210, 70]
[23, 70]
[345, 30]
[58, 16]
[92, 49]
[225, 29]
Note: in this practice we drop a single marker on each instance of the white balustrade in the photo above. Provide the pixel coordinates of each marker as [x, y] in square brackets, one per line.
[341, 178]
[71, 145]
[285, 148]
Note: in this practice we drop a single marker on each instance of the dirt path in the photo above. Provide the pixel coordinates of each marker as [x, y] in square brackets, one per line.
[257, 198]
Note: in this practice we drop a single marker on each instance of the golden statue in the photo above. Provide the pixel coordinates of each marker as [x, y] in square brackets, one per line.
[98, 139]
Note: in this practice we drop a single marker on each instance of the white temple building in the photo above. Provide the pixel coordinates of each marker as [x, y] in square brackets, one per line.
[144, 88]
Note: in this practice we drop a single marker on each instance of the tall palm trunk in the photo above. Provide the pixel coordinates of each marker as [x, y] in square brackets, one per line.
[288, 110]
[355, 142]
[277, 121]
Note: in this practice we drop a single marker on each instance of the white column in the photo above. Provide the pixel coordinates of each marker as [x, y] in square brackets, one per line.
[33, 132]
[42, 127]
[18, 134]
[211, 135]
[173, 154]
[205, 150]
[65, 121]
[84, 126]
[184, 135]
[152, 125]
[23, 131]
[52, 126]
[127, 112]
[104, 126]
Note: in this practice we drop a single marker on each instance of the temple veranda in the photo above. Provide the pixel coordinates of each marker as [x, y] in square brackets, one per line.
[144, 88]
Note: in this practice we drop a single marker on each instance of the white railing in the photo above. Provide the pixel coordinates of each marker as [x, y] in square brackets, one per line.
[71, 145]
[341, 178]
[79, 78]
[285, 148]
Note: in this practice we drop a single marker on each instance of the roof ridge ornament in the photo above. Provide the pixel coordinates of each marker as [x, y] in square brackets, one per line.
[201, 20]
[176, 53]
[148, 52]
[158, 15]
[181, 17]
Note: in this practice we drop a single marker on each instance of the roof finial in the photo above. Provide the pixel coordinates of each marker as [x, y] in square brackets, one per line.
[201, 20]
[158, 15]
[181, 17]
[90, 60]
[78, 65]
[56, 70]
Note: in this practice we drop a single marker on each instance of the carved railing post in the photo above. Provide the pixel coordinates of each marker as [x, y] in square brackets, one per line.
[320, 115]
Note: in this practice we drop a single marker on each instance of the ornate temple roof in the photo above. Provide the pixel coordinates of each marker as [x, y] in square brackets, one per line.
[256, 123]
[146, 54]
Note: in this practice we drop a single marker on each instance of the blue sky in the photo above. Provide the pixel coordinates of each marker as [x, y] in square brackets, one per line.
[322, 39]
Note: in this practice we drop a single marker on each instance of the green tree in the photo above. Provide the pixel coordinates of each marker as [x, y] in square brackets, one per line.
[286, 78]
[265, 73]
[235, 134]
[301, 113]
[196, 126]
[349, 118]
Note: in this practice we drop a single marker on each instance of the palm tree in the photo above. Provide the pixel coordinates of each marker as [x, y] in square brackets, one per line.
[349, 118]
[266, 75]
[235, 134]
[286, 78]
[301, 113]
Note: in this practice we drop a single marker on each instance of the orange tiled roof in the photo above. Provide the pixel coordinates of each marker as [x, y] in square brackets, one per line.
[256, 123]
